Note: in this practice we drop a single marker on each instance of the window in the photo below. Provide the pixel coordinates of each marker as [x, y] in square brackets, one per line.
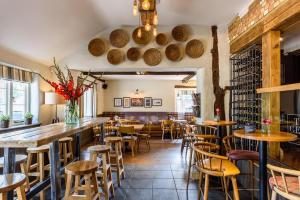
[14, 100]
[88, 103]
[184, 100]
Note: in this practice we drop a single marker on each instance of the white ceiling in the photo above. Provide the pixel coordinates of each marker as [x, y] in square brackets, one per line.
[42, 29]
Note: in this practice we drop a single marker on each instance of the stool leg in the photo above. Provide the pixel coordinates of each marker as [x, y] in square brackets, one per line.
[3, 196]
[77, 182]
[65, 153]
[41, 171]
[70, 150]
[24, 171]
[132, 147]
[29, 160]
[225, 187]
[235, 188]
[105, 179]
[21, 193]
[87, 187]
[68, 186]
[95, 183]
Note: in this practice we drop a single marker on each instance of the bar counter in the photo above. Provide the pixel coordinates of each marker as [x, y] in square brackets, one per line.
[39, 136]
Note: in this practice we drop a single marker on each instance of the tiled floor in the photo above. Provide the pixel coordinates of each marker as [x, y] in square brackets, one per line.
[160, 174]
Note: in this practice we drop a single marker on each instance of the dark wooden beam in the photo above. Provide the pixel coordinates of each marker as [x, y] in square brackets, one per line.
[185, 86]
[96, 78]
[186, 79]
[145, 73]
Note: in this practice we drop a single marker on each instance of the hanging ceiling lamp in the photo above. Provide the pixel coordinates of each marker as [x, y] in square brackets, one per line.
[148, 17]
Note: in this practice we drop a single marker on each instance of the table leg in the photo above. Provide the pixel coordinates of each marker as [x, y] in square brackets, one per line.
[102, 133]
[9, 166]
[55, 171]
[77, 145]
[190, 166]
[263, 175]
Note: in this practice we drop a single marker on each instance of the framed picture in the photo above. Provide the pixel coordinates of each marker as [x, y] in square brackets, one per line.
[126, 102]
[148, 102]
[156, 102]
[137, 102]
[117, 102]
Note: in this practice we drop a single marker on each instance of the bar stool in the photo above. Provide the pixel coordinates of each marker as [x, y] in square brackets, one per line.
[40, 166]
[10, 182]
[104, 171]
[87, 169]
[20, 160]
[66, 149]
[96, 134]
[117, 164]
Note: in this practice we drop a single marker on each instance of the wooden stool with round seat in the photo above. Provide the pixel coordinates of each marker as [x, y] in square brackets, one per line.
[88, 170]
[40, 166]
[10, 182]
[104, 171]
[116, 158]
[20, 160]
[66, 150]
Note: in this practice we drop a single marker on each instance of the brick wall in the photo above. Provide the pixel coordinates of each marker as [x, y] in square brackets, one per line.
[256, 11]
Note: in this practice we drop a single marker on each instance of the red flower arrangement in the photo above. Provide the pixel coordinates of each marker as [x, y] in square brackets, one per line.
[266, 122]
[66, 87]
[218, 111]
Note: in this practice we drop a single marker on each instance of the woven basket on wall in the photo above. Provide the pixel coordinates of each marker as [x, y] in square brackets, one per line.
[194, 48]
[97, 47]
[145, 38]
[115, 56]
[152, 57]
[119, 38]
[134, 54]
[174, 52]
[181, 33]
[162, 39]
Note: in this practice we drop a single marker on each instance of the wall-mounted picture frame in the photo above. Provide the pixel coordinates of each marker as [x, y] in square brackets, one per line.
[156, 102]
[137, 102]
[126, 102]
[148, 102]
[118, 102]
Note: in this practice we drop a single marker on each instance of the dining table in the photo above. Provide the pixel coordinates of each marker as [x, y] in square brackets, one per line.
[137, 127]
[49, 134]
[264, 138]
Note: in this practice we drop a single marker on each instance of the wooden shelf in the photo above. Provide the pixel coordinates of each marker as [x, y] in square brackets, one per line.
[281, 88]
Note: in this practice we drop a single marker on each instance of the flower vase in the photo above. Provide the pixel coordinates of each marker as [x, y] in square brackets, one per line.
[265, 129]
[72, 112]
[217, 118]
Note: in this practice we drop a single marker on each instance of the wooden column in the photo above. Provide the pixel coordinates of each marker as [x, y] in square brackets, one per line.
[271, 77]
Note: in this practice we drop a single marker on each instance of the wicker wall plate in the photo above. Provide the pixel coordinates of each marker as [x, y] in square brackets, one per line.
[119, 38]
[115, 56]
[152, 57]
[194, 48]
[97, 47]
[134, 54]
[174, 52]
[181, 33]
[145, 38]
[162, 39]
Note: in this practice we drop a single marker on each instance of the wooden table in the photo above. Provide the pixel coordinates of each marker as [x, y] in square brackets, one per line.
[137, 127]
[35, 137]
[275, 136]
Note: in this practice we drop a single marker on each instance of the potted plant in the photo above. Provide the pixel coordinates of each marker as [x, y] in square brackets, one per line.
[28, 118]
[4, 121]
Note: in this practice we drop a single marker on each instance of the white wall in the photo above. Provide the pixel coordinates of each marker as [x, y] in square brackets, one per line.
[163, 89]
[46, 112]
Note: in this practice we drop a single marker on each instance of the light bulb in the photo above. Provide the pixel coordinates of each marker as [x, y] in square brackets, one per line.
[135, 8]
[147, 27]
[146, 5]
[155, 31]
[155, 19]
[139, 33]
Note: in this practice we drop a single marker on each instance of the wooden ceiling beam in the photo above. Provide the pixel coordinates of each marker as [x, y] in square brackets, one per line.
[187, 78]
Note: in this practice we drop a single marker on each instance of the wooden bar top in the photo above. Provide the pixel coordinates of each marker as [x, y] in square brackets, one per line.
[35, 137]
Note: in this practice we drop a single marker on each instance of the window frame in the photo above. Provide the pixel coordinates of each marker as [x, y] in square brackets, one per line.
[180, 89]
[9, 100]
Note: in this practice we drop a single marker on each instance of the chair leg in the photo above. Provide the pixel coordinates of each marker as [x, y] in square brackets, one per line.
[163, 134]
[189, 169]
[182, 146]
[225, 187]
[132, 144]
[235, 188]
[21, 193]
[206, 186]
[274, 194]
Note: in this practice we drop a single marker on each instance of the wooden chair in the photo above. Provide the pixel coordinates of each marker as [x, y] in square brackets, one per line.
[145, 135]
[210, 164]
[209, 147]
[167, 126]
[21, 161]
[66, 150]
[129, 136]
[284, 182]
[187, 138]
[10, 182]
[206, 133]
[104, 170]
[238, 149]
[117, 164]
[40, 166]
[86, 169]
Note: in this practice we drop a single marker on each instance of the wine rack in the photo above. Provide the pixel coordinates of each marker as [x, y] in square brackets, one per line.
[246, 77]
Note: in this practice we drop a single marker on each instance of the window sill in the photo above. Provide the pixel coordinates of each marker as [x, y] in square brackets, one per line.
[18, 127]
